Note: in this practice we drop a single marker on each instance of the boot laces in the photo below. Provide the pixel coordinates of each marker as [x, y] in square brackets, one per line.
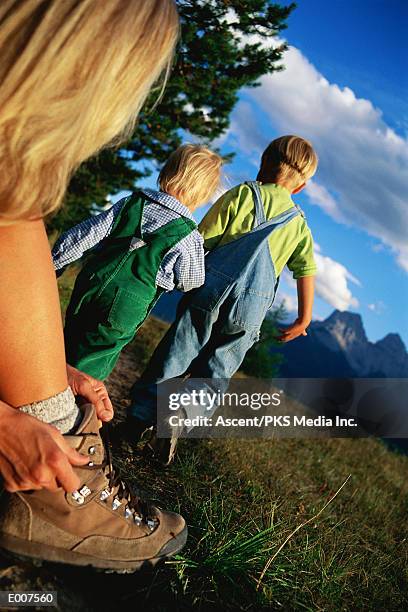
[140, 508]
[134, 506]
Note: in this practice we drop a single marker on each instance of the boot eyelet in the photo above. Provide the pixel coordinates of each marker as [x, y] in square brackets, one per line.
[151, 524]
[137, 519]
[116, 503]
[77, 497]
[104, 494]
[91, 450]
[128, 512]
[91, 464]
[85, 491]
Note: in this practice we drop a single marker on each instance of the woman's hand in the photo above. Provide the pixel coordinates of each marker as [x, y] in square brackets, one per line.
[91, 389]
[34, 455]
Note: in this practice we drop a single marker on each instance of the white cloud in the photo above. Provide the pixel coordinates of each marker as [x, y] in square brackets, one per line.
[289, 301]
[246, 140]
[377, 307]
[231, 16]
[288, 278]
[320, 196]
[332, 283]
[363, 172]
[378, 247]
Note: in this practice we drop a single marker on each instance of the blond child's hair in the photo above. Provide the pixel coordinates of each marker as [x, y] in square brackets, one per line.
[192, 174]
[74, 76]
[288, 159]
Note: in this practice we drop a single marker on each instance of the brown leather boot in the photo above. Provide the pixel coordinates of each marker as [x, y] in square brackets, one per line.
[103, 524]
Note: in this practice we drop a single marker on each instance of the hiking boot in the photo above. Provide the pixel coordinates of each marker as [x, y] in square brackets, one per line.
[103, 524]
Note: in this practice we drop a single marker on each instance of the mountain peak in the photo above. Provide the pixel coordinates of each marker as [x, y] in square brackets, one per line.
[346, 326]
[392, 343]
[338, 347]
[353, 318]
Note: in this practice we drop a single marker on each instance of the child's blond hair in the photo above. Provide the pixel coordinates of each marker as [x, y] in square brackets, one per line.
[289, 159]
[192, 173]
[73, 77]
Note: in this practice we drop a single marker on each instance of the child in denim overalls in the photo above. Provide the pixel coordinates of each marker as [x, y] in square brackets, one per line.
[252, 232]
[147, 243]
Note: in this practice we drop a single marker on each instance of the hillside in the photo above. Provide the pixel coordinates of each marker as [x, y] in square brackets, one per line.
[242, 500]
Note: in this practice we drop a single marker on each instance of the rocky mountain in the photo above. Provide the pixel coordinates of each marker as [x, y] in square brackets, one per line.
[338, 346]
[334, 348]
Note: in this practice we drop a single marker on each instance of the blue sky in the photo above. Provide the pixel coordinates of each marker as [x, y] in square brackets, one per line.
[359, 44]
[345, 88]
[362, 45]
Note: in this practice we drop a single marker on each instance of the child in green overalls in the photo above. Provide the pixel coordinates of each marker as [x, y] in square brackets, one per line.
[252, 232]
[146, 244]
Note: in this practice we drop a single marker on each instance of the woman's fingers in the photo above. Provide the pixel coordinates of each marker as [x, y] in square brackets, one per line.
[66, 476]
[105, 411]
[12, 481]
[92, 390]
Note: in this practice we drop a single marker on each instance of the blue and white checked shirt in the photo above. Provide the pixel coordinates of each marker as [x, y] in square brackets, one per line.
[181, 268]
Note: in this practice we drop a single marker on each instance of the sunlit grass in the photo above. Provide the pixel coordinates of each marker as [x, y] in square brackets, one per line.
[256, 538]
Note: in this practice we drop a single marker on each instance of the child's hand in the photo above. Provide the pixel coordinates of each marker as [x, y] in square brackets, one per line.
[298, 328]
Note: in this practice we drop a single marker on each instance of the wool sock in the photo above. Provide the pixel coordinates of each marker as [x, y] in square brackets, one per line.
[59, 410]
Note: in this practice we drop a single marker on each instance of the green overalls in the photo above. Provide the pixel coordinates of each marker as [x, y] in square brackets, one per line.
[116, 288]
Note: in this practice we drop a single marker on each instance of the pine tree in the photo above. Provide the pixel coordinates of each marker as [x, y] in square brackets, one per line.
[225, 45]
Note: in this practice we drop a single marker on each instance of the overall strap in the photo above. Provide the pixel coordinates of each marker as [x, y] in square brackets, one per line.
[129, 219]
[279, 220]
[261, 223]
[259, 207]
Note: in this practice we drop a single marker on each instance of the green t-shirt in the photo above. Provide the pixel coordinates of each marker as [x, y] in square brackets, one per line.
[233, 215]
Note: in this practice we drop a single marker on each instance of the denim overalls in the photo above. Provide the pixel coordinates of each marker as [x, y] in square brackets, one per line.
[217, 323]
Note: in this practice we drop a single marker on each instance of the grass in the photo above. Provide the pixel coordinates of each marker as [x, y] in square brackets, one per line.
[256, 538]
[243, 498]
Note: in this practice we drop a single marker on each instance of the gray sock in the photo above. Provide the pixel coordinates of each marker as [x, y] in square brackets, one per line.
[59, 410]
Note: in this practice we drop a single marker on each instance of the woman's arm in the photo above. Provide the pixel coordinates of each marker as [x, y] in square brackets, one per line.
[32, 356]
[32, 362]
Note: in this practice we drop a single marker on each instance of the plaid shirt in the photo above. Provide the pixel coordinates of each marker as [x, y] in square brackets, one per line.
[181, 268]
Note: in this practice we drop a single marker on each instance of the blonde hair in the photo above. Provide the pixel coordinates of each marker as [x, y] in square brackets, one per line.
[74, 76]
[192, 173]
[290, 159]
